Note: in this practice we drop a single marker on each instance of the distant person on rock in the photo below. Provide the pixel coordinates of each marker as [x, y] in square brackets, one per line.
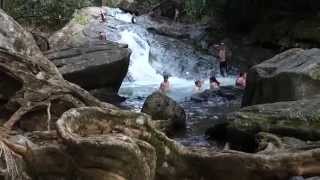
[133, 18]
[197, 87]
[102, 36]
[241, 80]
[176, 14]
[222, 58]
[214, 83]
[165, 85]
[103, 17]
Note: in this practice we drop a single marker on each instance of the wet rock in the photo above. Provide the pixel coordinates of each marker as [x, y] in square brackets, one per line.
[93, 66]
[161, 107]
[227, 93]
[297, 119]
[107, 95]
[297, 178]
[289, 76]
[314, 178]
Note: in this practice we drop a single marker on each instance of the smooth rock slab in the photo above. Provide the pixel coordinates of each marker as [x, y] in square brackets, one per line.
[161, 107]
[93, 66]
[289, 76]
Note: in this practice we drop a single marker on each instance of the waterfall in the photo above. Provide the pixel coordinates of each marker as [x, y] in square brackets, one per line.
[168, 55]
[140, 69]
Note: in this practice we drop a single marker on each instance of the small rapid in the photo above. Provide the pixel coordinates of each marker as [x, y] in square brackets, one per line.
[152, 56]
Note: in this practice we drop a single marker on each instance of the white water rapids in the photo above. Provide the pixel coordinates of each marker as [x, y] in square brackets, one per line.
[144, 78]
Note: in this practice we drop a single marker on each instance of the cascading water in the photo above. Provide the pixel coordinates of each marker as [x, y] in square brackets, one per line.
[154, 54]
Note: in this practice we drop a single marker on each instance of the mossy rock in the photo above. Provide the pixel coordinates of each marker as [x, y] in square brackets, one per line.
[298, 119]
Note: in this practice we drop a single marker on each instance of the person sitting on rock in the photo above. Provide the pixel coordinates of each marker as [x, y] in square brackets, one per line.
[241, 80]
[103, 17]
[165, 85]
[214, 83]
[198, 87]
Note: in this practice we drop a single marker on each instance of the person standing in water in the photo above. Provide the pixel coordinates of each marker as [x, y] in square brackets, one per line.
[165, 85]
[198, 87]
[102, 36]
[133, 18]
[223, 60]
[214, 83]
[103, 17]
[241, 80]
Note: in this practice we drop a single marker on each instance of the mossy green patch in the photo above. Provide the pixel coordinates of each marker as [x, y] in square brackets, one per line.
[81, 19]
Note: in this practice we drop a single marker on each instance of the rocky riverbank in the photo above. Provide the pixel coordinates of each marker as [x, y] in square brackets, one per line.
[54, 129]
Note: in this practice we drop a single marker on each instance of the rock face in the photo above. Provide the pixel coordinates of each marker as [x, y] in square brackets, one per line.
[225, 93]
[161, 107]
[94, 66]
[297, 119]
[289, 76]
[41, 41]
[14, 39]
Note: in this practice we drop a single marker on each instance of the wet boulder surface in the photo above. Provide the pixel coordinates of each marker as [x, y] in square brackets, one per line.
[296, 119]
[289, 76]
[93, 66]
[161, 107]
[227, 93]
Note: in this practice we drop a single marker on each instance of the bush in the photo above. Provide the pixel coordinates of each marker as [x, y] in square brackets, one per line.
[197, 9]
[50, 13]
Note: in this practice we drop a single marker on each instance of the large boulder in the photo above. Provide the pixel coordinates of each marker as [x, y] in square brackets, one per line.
[289, 76]
[161, 107]
[297, 119]
[93, 66]
[226, 93]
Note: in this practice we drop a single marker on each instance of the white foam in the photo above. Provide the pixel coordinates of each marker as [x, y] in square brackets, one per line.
[145, 77]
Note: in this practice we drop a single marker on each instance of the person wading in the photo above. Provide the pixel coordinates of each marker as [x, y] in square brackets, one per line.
[223, 60]
[165, 85]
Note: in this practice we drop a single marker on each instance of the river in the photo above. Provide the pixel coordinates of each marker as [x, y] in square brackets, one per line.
[154, 54]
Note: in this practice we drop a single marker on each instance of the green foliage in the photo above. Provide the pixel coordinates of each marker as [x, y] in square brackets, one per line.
[195, 8]
[198, 9]
[81, 19]
[51, 13]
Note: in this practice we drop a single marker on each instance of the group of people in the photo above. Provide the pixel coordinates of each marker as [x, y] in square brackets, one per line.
[165, 86]
[214, 83]
[198, 87]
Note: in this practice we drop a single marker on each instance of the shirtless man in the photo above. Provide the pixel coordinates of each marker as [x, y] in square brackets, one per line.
[214, 83]
[198, 87]
[223, 60]
[165, 85]
[241, 80]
